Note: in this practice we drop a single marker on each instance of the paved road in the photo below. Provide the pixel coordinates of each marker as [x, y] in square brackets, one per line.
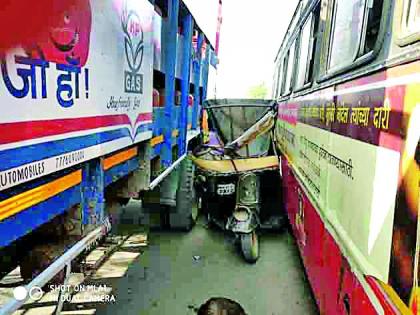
[167, 279]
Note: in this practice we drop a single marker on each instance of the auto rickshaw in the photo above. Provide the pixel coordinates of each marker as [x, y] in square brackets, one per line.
[238, 170]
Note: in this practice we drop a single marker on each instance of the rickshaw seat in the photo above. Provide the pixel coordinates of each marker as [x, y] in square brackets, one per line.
[237, 165]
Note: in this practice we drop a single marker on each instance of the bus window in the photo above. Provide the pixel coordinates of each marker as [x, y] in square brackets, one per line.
[417, 11]
[413, 16]
[346, 30]
[410, 23]
[275, 83]
[279, 79]
[283, 73]
[290, 67]
[295, 18]
[305, 41]
[373, 24]
[316, 15]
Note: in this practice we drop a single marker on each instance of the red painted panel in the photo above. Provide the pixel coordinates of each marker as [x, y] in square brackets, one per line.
[332, 261]
[383, 298]
[298, 223]
[353, 298]
[314, 234]
[361, 303]
[346, 290]
[336, 288]
[289, 194]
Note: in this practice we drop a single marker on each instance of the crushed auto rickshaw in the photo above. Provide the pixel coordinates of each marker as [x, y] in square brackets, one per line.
[238, 170]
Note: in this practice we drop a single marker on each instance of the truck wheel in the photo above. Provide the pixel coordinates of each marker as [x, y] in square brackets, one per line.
[249, 247]
[39, 259]
[184, 216]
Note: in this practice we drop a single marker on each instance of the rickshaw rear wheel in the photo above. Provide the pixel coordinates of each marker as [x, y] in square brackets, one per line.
[250, 247]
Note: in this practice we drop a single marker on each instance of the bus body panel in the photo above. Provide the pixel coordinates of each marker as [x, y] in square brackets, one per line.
[349, 177]
[336, 288]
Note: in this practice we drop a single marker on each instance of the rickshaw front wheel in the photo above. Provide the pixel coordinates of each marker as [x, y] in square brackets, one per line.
[249, 247]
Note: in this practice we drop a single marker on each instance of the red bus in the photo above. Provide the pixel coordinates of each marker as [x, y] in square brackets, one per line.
[347, 80]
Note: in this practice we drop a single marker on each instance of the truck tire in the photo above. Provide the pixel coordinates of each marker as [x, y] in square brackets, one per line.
[183, 216]
[174, 202]
[38, 259]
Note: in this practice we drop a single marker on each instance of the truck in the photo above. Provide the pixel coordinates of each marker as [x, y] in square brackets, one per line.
[101, 107]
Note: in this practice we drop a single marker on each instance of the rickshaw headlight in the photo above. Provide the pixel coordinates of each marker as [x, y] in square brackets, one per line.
[242, 214]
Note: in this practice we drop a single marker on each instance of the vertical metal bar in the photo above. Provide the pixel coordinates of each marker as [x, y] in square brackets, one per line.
[93, 199]
[206, 72]
[86, 195]
[62, 295]
[219, 26]
[170, 62]
[197, 70]
[187, 25]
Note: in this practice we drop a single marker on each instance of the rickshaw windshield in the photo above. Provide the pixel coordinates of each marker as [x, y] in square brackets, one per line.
[230, 118]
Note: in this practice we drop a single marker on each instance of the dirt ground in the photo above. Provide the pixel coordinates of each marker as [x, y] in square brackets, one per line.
[173, 273]
[180, 271]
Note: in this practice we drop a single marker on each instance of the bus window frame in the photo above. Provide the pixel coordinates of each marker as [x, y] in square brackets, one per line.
[295, 21]
[405, 37]
[279, 78]
[311, 54]
[326, 74]
[278, 82]
[285, 60]
[333, 16]
[293, 41]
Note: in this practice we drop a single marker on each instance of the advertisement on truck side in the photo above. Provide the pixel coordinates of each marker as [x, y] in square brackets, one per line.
[82, 91]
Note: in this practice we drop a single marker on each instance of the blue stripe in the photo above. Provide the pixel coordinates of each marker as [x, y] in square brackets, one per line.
[158, 118]
[28, 220]
[157, 150]
[144, 128]
[18, 156]
[23, 155]
[120, 170]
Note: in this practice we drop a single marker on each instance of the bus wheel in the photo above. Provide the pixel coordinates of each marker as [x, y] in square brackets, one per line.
[249, 247]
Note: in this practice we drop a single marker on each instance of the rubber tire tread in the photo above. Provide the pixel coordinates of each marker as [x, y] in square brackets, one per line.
[185, 195]
[246, 247]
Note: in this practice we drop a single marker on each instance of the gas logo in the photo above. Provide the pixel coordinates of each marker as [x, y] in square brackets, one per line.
[134, 51]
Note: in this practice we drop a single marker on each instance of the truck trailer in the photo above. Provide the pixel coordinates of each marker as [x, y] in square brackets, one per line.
[101, 107]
